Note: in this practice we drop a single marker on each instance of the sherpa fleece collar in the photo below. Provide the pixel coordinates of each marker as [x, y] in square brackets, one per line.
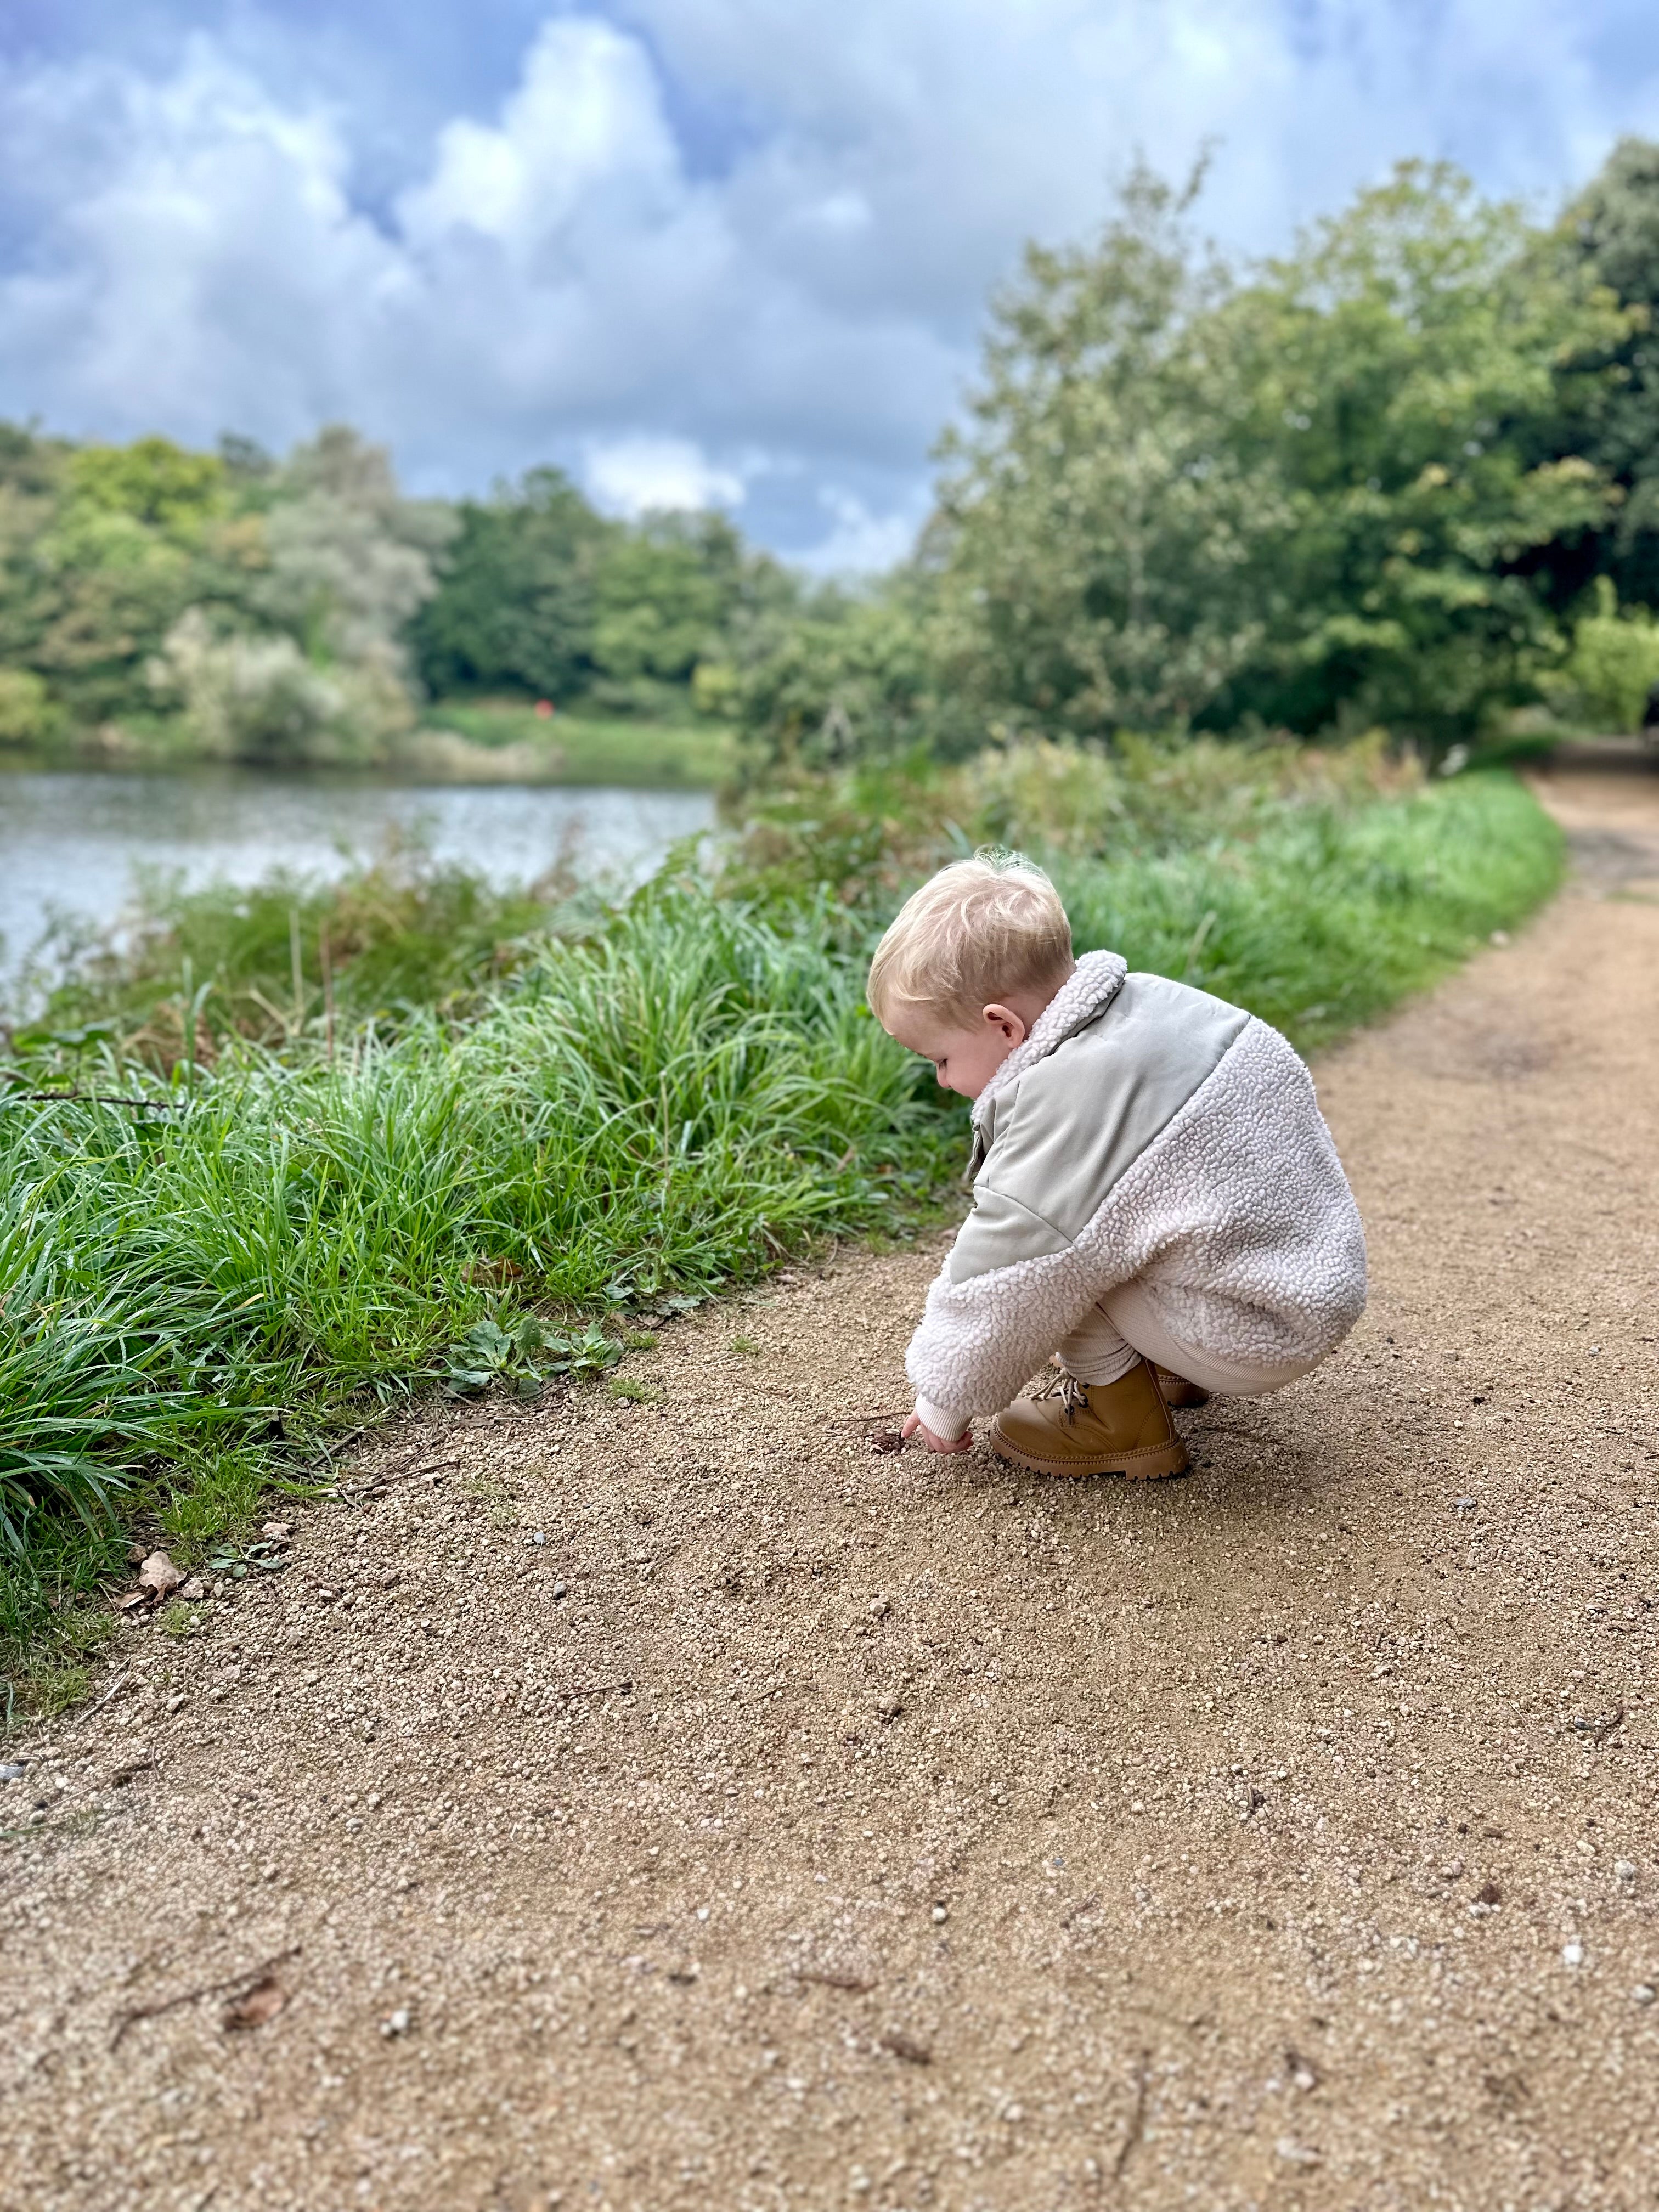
[1091, 988]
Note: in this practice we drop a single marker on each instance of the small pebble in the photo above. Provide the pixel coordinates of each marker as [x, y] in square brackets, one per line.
[1465, 1505]
[1573, 1955]
[1625, 1869]
[539, 1537]
[559, 1590]
[13, 1770]
[1644, 1993]
[396, 2023]
[941, 1912]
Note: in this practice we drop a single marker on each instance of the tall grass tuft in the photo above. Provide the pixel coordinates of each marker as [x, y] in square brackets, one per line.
[676, 1102]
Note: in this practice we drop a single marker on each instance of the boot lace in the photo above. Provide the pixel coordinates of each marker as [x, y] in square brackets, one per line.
[1073, 1395]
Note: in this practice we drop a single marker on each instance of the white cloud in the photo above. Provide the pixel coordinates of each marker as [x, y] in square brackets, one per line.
[861, 543]
[560, 279]
[583, 133]
[632, 476]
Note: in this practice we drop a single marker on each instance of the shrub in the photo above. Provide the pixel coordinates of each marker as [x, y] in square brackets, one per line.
[257, 698]
[25, 715]
[1612, 666]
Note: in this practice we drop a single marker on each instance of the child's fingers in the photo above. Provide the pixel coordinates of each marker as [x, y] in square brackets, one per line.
[911, 1426]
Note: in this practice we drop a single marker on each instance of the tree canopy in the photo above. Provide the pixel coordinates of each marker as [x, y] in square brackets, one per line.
[1406, 475]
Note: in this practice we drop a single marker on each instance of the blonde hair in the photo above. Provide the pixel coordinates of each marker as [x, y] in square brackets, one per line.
[979, 930]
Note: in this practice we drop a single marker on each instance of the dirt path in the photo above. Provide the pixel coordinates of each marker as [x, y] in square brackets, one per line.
[689, 1807]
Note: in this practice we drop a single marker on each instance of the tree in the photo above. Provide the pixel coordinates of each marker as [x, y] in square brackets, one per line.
[1611, 233]
[1100, 524]
[1400, 371]
[514, 609]
[152, 481]
[1328, 493]
[664, 593]
[848, 678]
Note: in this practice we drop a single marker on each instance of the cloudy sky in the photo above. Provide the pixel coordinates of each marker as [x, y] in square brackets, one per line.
[694, 249]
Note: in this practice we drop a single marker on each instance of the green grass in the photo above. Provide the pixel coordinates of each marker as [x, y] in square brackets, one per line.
[201, 1297]
[195, 1296]
[1328, 920]
[588, 749]
[286, 961]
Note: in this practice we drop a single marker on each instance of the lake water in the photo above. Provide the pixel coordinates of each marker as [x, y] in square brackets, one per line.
[70, 841]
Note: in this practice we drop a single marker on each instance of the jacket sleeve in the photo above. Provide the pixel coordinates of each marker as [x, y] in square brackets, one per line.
[987, 1328]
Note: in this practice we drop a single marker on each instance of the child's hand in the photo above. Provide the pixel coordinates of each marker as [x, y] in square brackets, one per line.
[915, 1427]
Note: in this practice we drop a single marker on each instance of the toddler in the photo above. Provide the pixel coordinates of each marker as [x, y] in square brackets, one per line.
[1157, 1200]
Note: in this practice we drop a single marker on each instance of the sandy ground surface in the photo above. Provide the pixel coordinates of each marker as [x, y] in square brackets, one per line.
[687, 1805]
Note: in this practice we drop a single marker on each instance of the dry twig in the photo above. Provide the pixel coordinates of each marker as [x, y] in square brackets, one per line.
[233, 1985]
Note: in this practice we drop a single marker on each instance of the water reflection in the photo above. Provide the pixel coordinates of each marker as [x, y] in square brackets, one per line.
[70, 841]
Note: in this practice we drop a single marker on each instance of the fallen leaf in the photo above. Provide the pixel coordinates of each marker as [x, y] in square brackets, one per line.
[132, 1598]
[257, 2005]
[277, 1532]
[159, 1574]
[886, 1440]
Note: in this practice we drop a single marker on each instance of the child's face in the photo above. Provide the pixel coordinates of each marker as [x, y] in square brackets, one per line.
[964, 1057]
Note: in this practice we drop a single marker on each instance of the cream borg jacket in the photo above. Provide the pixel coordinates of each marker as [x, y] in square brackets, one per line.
[1142, 1131]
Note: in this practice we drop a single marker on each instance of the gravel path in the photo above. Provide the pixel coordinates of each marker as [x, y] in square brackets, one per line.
[687, 1805]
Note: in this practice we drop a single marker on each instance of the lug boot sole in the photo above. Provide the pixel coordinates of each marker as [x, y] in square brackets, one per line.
[1152, 1463]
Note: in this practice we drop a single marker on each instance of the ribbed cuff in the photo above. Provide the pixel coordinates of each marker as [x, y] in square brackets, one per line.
[947, 1427]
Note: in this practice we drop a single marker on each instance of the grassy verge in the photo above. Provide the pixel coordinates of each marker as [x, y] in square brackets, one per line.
[459, 741]
[577, 749]
[1327, 921]
[288, 1228]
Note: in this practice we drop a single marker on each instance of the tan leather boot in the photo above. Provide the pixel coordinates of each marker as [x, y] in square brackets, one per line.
[1178, 1391]
[1095, 1428]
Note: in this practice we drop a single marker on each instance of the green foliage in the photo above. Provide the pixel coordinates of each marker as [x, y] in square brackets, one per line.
[527, 1355]
[675, 1100]
[664, 593]
[25, 715]
[855, 840]
[1102, 527]
[539, 595]
[852, 678]
[1318, 495]
[516, 605]
[578, 746]
[259, 612]
[270, 963]
[1613, 665]
[1328, 918]
[152, 481]
[1401, 367]
[1610, 394]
